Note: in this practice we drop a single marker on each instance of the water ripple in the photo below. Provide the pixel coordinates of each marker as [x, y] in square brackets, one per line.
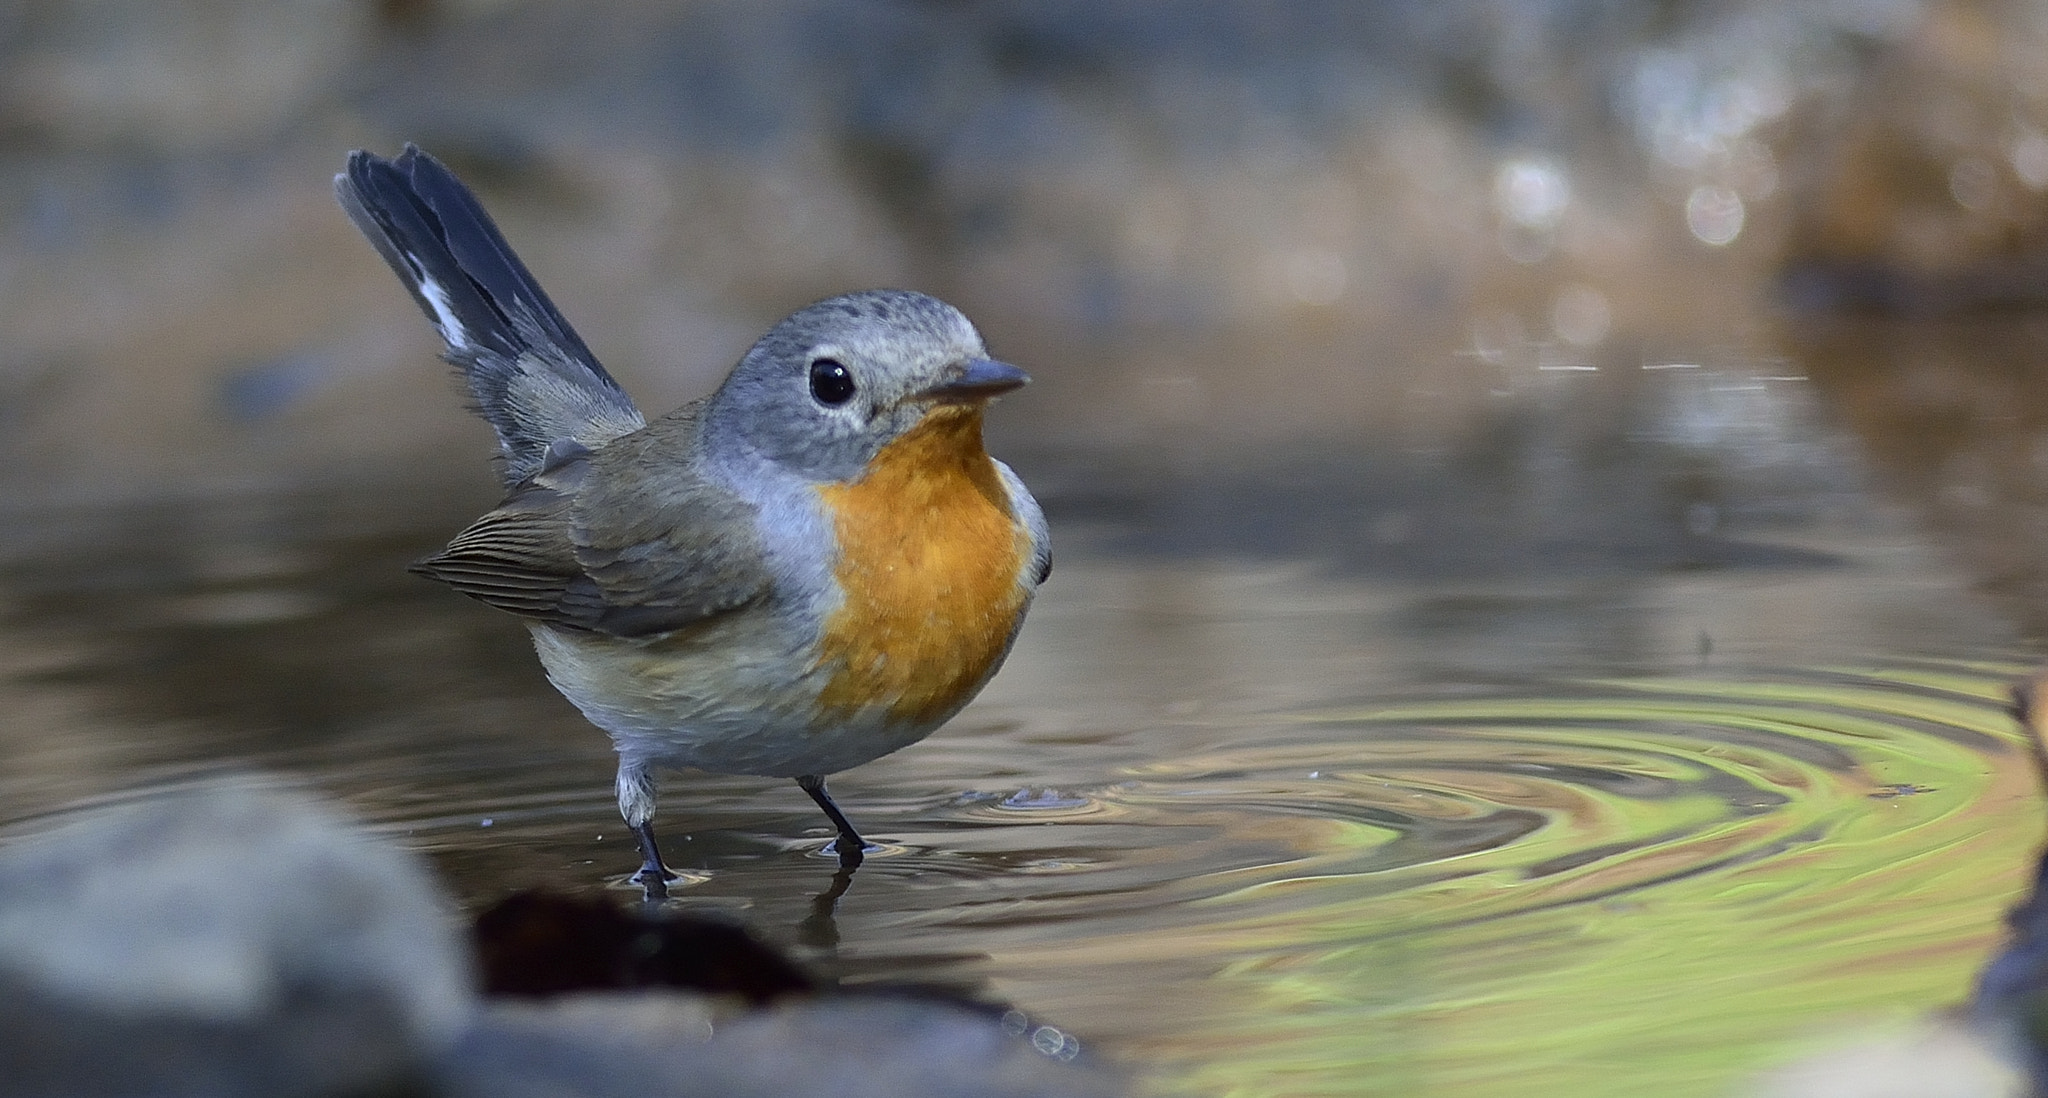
[1798, 843]
[1594, 868]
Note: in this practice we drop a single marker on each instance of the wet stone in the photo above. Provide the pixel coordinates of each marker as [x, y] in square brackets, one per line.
[234, 938]
[630, 1045]
[225, 940]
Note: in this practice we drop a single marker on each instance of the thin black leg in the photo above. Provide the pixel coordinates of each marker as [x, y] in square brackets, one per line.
[849, 845]
[653, 875]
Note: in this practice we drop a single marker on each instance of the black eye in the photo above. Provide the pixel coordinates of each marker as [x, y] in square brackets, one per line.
[831, 382]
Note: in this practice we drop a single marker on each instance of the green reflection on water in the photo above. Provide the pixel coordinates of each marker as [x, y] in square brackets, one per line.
[1681, 965]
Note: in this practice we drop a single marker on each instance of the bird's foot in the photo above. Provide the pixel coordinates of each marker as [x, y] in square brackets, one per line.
[851, 850]
[653, 882]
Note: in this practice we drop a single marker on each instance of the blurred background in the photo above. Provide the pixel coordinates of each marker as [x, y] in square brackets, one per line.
[1609, 246]
[1410, 346]
[1602, 262]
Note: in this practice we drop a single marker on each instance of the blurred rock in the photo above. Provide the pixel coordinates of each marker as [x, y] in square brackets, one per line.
[636, 1045]
[229, 939]
[236, 939]
[701, 1027]
[538, 944]
[1942, 1060]
[2012, 992]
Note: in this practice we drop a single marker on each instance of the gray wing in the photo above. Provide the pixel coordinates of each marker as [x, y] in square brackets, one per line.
[583, 546]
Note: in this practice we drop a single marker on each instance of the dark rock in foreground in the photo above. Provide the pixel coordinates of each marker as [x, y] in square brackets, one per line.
[635, 1045]
[239, 939]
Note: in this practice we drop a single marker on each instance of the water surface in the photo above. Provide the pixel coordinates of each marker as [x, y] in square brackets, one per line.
[1261, 825]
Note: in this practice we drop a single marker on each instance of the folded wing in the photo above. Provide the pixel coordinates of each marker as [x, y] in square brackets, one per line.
[578, 546]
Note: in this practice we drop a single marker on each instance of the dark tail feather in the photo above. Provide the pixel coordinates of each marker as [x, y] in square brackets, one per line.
[513, 346]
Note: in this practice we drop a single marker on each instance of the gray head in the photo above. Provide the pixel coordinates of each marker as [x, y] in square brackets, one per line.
[832, 384]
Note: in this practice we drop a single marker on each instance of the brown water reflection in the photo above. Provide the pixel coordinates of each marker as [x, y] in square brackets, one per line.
[1952, 414]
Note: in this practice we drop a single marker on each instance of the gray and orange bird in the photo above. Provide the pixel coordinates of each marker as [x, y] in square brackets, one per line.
[813, 566]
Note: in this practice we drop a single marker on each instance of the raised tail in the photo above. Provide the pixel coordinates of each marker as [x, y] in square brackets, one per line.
[531, 375]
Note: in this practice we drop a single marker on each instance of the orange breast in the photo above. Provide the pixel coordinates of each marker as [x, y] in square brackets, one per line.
[929, 556]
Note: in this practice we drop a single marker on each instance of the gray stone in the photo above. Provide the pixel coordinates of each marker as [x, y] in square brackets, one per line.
[237, 939]
[670, 1045]
[224, 939]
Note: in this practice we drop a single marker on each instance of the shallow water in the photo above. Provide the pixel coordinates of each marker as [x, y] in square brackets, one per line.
[1260, 825]
[1499, 645]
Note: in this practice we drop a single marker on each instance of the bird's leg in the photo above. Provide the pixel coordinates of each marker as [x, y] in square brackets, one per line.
[652, 876]
[636, 805]
[850, 846]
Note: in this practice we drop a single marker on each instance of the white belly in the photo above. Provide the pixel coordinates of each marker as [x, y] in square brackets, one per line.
[737, 698]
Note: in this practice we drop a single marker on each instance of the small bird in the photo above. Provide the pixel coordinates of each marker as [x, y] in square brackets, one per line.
[813, 566]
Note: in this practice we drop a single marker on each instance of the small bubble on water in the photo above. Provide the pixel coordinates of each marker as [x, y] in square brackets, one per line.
[486, 822]
[1028, 799]
[1055, 1043]
[1016, 1022]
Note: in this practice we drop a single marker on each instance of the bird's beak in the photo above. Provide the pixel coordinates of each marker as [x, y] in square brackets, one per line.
[979, 379]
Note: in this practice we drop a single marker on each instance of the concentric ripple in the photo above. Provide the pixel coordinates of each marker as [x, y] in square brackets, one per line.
[1520, 803]
[1645, 883]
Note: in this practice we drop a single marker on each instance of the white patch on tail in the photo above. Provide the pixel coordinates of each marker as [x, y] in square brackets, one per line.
[452, 332]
